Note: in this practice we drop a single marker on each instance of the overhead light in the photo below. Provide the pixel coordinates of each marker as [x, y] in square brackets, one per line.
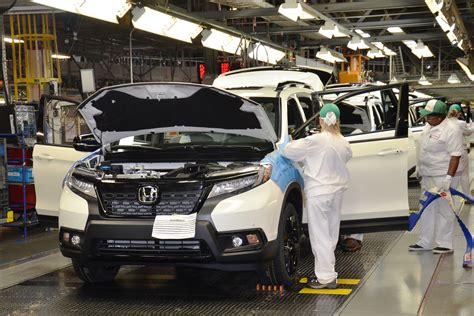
[106, 10]
[453, 39]
[394, 80]
[331, 30]
[357, 43]
[266, 53]
[424, 82]
[453, 79]
[421, 50]
[463, 62]
[60, 56]
[362, 33]
[222, 41]
[395, 30]
[443, 22]
[409, 43]
[330, 55]
[375, 53]
[11, 40]
[163, 24]
[434, 5]
[294, 10]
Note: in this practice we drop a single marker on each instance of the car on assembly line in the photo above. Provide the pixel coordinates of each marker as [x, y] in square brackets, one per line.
[185, 175]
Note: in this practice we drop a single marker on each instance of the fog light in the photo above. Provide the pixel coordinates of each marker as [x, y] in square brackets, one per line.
[75, 240]
[66, 237]
[253, 239]
[237, 241]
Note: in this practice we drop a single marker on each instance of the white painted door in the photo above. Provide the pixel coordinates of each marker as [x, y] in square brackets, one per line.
[50, 165]
[378, 186]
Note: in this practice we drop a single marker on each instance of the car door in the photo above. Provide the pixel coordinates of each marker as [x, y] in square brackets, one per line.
[377, 195]
[54, 155]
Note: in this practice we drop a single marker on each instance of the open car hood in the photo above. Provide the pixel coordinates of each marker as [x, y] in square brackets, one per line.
[117, 112]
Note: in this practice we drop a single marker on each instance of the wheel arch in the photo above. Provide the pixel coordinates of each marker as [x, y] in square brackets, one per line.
[294, 194]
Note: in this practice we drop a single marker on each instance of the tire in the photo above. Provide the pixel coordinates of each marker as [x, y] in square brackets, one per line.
[95, 273]
[283, 269]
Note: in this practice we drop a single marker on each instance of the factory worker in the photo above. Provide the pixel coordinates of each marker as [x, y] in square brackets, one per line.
[455, 114]
[439, 154]
[324, 156]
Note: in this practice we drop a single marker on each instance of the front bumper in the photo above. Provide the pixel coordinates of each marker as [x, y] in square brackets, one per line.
[136, 246]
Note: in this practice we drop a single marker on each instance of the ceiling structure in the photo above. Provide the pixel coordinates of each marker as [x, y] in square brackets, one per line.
[94, 39]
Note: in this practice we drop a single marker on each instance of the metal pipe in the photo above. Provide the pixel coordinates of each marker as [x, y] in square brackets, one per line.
[439, 61]
[131, 60]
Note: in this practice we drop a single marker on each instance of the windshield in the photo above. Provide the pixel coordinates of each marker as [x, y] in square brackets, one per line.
[271, 107]
[179, 139]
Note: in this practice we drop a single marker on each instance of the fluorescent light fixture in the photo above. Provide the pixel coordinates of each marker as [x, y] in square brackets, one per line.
[443, 22]
[357, 43]
[330, 55]
[375, 53]
[453, 39]
[421, 50]
[362, 33]
[388, 52]
[106, 10]
[453, 79]
[409, 43]
[434, 5]
[60, 56]
[395, 30]
[463, 63]
[424, 82]
[331, 30]
[266, 53]
[10, 40]
[294, 10]
[163, 24]
[222, 41]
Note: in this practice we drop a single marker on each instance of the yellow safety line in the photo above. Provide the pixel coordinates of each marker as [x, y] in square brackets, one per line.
[339, 281]
[326, 291]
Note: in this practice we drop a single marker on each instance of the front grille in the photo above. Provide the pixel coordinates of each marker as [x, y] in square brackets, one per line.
[126, 203]
[185, 248]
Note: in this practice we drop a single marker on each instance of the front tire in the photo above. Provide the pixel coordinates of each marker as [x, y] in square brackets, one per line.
[95, 273]
[284, 267]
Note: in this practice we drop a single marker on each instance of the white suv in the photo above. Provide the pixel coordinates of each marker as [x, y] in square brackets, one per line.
[180, 179]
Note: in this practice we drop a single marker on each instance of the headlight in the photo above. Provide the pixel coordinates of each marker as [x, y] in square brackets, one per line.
[242, 183]
[80, 185]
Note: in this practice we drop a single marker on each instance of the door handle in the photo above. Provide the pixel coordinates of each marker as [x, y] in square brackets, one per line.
[45, 157]
[391, 151]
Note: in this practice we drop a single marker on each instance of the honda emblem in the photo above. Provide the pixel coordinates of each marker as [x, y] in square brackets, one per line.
[148, 194]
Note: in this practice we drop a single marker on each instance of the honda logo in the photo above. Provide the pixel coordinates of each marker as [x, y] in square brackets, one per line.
[148, 194]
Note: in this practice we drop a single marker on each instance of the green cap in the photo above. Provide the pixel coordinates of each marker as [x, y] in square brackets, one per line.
[329, 107]
[455, 107]
[434, 107]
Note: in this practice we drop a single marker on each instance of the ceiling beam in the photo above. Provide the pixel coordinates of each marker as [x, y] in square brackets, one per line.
[323, 8]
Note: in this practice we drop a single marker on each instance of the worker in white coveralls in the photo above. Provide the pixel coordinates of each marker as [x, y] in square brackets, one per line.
[455, 115]
[438, 162]
[324, 156]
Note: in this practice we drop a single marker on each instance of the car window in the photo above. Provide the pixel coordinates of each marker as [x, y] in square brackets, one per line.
[295, 119]
[271, 107]
[307, 106]
[61, 123]
[390, 109]
[353, 120]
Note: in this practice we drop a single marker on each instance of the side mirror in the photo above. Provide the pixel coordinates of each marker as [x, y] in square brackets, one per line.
[85, 142]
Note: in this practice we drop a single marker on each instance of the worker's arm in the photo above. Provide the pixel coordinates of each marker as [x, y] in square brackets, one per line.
[453, 165]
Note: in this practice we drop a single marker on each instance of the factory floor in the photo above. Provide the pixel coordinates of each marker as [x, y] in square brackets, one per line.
[383, 278]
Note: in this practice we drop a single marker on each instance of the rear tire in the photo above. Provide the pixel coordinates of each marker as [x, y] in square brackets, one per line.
[95, 273]
[284, 267]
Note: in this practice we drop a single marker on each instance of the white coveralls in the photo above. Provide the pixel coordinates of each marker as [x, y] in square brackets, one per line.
[438, 144]
[326, 176]
[466, 131]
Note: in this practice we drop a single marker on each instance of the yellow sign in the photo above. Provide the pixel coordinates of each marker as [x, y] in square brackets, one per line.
[9, 216]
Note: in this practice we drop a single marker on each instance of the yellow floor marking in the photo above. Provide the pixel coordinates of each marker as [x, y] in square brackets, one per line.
[339, 281]
[326, 291]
